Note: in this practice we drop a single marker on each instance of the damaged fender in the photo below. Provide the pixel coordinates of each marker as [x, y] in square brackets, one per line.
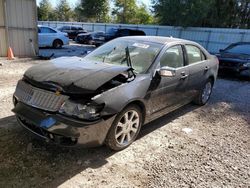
[125, 94]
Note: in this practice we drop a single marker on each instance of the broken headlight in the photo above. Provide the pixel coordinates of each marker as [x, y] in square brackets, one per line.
[88, 111]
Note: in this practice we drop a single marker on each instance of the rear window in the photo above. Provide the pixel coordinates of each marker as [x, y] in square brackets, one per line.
[194, 54]
[65, 28]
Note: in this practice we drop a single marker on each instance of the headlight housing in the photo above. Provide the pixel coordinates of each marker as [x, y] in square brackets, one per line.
[88, 111]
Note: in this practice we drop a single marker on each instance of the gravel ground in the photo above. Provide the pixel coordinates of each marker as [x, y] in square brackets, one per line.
[194, 146]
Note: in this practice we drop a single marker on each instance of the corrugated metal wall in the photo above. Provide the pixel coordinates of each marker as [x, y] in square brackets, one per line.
[3, 40]
[212, 39]
[21, 27]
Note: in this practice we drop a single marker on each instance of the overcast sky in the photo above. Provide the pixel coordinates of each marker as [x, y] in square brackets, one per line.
[73, 2]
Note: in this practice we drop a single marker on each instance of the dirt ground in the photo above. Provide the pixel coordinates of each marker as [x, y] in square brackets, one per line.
[194, 146]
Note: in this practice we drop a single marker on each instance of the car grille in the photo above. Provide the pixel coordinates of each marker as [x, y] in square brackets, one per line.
[39, 98]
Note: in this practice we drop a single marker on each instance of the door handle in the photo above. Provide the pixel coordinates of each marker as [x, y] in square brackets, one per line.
[184, 75]
[206, 68]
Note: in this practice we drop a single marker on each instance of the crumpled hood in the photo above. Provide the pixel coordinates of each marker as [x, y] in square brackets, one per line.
[75, 71]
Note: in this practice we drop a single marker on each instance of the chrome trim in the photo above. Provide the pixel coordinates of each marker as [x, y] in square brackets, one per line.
[38, 98]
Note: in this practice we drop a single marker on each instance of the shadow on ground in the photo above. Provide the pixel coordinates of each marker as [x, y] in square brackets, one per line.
[26, 161]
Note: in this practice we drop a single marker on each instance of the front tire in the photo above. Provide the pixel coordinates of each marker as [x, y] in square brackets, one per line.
[125, 128]
[204, 93]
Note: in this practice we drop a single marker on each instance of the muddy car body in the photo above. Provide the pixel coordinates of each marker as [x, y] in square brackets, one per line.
[106, 96]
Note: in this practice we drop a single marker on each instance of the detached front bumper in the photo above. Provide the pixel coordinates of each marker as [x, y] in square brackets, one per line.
[60, 129]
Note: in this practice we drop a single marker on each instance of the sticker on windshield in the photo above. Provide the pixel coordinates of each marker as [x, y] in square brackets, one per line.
[140, 45]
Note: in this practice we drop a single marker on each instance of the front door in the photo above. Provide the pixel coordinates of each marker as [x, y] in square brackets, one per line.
[168, 92]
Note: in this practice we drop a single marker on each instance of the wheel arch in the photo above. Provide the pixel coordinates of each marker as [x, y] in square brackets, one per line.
[212, 78]
[57, 39]
[141, 105]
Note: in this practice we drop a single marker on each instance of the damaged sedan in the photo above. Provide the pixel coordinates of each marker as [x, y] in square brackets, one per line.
[106, 96]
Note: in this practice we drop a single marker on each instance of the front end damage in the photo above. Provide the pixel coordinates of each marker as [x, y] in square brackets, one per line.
[66, 114]
[60, 129]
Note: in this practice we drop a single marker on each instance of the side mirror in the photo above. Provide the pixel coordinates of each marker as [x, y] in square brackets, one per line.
[167, 72]
[221, 50]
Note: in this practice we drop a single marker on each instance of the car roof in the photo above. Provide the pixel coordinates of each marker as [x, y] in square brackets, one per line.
[158, 39]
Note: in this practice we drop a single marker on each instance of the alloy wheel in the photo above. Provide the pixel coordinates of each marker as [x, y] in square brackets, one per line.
[127, 127]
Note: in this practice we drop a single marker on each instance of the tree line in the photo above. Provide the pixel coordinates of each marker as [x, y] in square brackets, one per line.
[186, 13]
[124, 11]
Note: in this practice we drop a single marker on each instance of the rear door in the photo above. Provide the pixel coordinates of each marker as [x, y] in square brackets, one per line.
[198, 66]
[169, 92]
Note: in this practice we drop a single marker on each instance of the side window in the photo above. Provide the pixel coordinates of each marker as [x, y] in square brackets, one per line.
[66, 27]
[46, 30]
[173, 57]
[124, 32]
[194, 54]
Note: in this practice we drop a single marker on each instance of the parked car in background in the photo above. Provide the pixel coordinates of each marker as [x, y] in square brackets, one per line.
[113, 33]
[89, 38]
[49, 37]
[106, 96]
[235, 58]
[72, 31]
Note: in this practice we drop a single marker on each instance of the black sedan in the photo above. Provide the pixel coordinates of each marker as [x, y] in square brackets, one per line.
[113, 33]
[90, 37]
[106, 96]
[235, 58]
[72, 31]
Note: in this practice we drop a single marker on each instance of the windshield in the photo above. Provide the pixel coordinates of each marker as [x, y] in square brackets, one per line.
[239, 49]
[141, 53]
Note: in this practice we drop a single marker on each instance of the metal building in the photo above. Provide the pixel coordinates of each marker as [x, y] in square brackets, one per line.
[18, 27]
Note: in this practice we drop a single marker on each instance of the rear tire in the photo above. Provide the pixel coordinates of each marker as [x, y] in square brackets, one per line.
[204, 94]
[57, 43]
[125, 128]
